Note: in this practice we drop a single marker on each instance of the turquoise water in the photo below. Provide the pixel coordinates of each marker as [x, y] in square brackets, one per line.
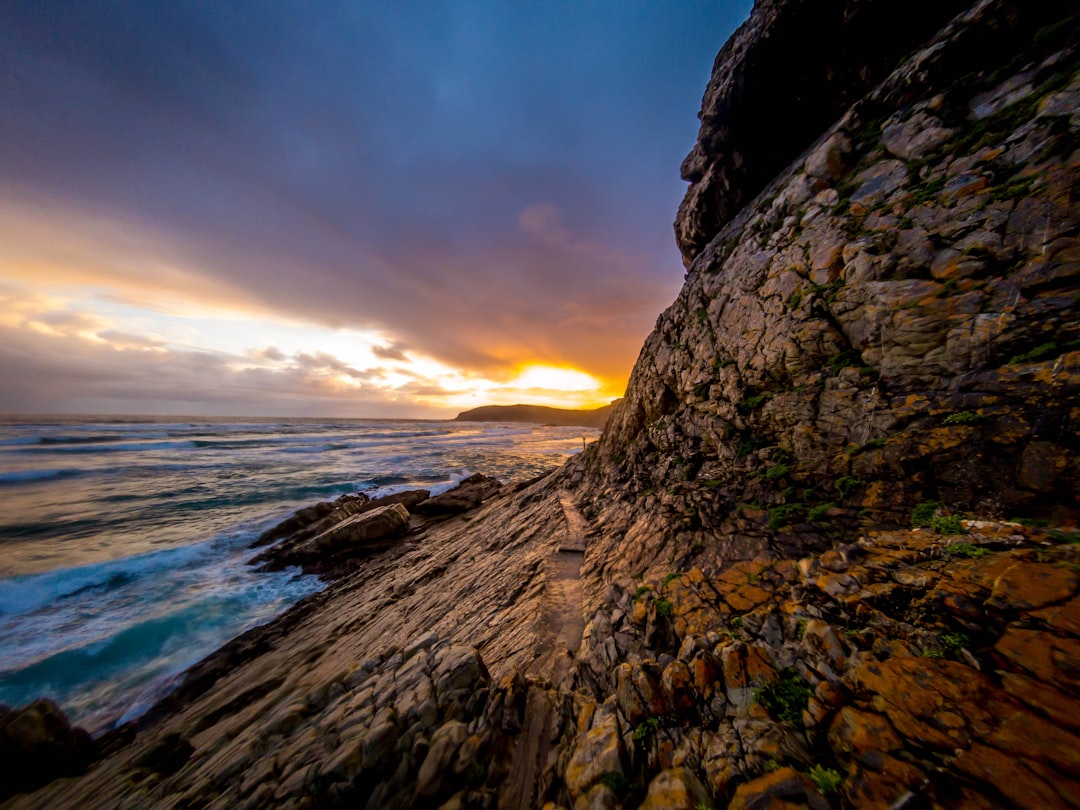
[124, 541]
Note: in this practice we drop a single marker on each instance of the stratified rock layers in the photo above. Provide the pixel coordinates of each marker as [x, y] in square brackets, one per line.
[893, 319]
[891, 322]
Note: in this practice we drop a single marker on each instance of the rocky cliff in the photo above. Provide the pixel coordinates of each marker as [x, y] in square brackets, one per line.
[783, 577]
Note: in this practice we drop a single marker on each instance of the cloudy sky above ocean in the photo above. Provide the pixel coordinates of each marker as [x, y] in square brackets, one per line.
[339, 208]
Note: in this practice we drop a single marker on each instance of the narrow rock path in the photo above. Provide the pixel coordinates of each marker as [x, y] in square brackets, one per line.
[562, 598]
[561, 626]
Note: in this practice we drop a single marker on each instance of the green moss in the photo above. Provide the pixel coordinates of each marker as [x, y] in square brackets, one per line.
[787, 698]
[616, 783]
[923, 514]
[953, 642]
[820, 512]
[1038, 353]
[776, 471]
[663, 608]
[752, 403]
[947, 524]
[646, 729]
[846, 358]
[846, 484]
[964, 418]
[641, 591]
[927, 190]
[800, 628]
[968, 550]
[782, 515]
[668, 578]
[826, 780]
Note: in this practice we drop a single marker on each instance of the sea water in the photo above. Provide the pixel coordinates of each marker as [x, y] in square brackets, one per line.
[124, 541]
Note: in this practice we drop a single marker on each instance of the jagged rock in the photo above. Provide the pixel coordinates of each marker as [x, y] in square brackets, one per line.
[675, 789]
[37, 745]
[759, 113]
[597, 752]
[469, 494]
[355, 534]
[783, 788]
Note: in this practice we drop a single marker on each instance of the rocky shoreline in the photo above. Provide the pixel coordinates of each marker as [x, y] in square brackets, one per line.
[788, 573]
[906, 662]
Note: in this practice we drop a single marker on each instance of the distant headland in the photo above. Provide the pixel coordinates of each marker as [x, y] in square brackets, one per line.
[541, 414]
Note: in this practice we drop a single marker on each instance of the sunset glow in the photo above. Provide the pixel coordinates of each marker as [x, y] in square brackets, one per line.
[190, 224]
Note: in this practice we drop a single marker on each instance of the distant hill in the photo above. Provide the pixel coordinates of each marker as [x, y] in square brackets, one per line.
[540, 414]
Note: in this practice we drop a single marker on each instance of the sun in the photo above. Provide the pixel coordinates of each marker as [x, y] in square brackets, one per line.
[552, 378]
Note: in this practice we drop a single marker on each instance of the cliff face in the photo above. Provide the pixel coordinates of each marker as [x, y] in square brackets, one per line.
[788, 73]
[713, 606]
[892, 320]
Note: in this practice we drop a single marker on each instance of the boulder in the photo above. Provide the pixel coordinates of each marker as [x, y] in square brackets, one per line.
[357, 534]
[467, 495]
[358, 530]
[37, 745]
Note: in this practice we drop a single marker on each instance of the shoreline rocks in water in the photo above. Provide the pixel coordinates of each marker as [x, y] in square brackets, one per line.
[37, 745]
[327, 538]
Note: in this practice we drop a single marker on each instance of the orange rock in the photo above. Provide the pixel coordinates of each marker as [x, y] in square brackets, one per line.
[1026, 586]
[707, 674]
[822, 638]
[833, 560]
[1050, 658]
[675, 789]
[782, 789]
[830, 694]
[855, 732]
[837, 585]
[881, 782]
[678, 686]
[1009, 775]
[1044, 698]
[1065, 618]
[1022, 733]
[747, 598]
[914, 691]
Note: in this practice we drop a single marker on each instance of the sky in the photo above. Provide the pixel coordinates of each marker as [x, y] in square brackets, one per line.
[341, 208]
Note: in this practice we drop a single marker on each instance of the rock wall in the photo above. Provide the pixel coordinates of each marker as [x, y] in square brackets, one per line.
[892, 320]
[783, 77]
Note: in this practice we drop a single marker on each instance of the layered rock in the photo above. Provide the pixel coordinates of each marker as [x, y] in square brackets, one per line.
[905, 664]
[330, 539]
[885, 334]
[785, 75]
[889, 320]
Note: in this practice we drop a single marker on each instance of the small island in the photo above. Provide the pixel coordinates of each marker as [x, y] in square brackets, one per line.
[541, 414]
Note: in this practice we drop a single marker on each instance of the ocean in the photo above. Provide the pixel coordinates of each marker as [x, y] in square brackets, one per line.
[124, 540]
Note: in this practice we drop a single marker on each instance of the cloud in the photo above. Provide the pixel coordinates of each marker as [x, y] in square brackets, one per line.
[395, 351]
[269, 353]
[485, 184]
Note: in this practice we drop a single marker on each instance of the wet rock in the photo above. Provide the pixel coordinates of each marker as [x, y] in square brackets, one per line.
[467, 495]
[37, 745]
